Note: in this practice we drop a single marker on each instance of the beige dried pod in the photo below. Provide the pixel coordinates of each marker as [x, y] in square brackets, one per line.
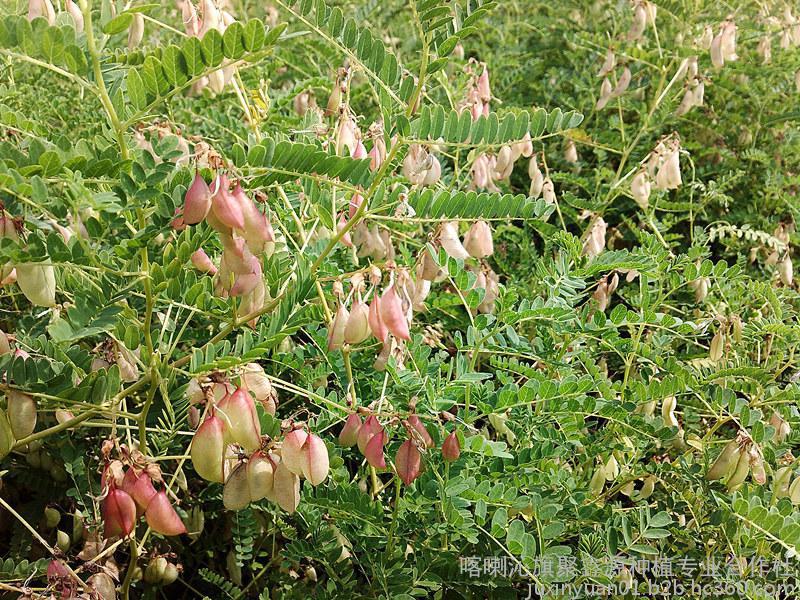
[606, 91]
[623, 83]
[595, 241]
[668, 176]
[725, 462]
[639, 22]
[782, 427]
[449, 240]
[548, 191]
[504, 164]
[570, 152]
[786, 270]
[701, 285]
[236, 492]
[757, 470]
[21, 413]
[478, 240]
[536, 176]
[717, 346]
[136, 31]
[286, 488]
[704, 41]
[640, 189]
[609, 63]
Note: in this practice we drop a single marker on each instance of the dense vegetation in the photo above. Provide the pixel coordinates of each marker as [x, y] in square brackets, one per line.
[438, 298]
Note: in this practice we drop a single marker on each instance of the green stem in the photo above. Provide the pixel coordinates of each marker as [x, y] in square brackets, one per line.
[102, 91]
[126, 585]
[398, 490]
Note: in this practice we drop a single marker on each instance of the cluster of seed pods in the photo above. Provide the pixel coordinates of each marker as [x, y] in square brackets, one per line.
[245, 232]
[644, 14]
[228, 448]
[129, 493]
[609, 91]
[477, 244]
[739, 458]
[660, 171]
[371, 437]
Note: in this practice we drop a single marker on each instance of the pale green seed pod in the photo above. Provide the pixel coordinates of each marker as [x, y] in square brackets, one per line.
[794, 491]
[154, 573]
[781, 481]
[668, 411]
[725, 461]
[648, 487]
[62, 541]
[236, 493]
[21, 413]
[170, 575]
[598, 481]
[717, 346]
[611, 468]
[6, 435]
[51, 517]
[739, 474]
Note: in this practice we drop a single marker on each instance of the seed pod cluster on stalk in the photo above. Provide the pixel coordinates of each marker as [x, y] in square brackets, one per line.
[371, 437]
[246, 235]
[595, 239]
[644, 14]
[605, 289]
[739, 458]
[663, 164]
[228, 448]
[129, 493]
[609, 91]
[723, 45]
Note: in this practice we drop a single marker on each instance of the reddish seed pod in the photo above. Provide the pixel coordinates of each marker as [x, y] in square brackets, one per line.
[373, 451]
[316, 462]
[241, 418]
[139, 486]
[197, 201]
[370, 428]
[161, 516]
[292, 450]
[349, 434]
[202, 262]
[119, 513]
[225, 207]
[391, 310]
[408, 462]
[417, 424]
[208, 449]
[451, 449]
[376, 322]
